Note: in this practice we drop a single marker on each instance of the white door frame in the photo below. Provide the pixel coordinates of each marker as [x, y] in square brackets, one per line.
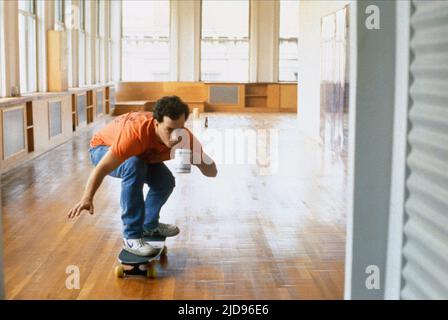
[399, 154]
[371, 129]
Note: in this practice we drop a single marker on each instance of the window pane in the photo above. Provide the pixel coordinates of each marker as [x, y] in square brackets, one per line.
[288, 50]
[59, 11]
[32, 55]
[100, 19]
[26, 5]
[82, 13]
[22, 54]
[82, 59]
[225, 41]
[146, 48]
[27, 53]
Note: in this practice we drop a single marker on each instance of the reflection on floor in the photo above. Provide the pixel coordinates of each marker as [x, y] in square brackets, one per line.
[254, 232]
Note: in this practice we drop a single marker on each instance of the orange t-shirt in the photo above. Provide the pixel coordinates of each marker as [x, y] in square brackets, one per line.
[133, 134]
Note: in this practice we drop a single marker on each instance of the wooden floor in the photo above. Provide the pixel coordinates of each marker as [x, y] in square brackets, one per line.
[243, 235]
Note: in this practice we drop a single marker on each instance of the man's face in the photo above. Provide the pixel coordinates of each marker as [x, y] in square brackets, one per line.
[165, 129]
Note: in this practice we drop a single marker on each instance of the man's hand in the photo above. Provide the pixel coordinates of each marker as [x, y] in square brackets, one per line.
[84, 204]
[107, 164]
[207, 166]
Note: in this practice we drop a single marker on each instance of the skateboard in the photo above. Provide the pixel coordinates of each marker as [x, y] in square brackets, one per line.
[134, 265]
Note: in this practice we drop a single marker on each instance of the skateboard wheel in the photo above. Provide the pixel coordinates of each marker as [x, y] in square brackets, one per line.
[164, 251]
[119, 271]
[163, 262]
[151, 272]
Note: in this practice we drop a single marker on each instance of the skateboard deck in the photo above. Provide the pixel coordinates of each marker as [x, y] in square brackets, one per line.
[137, 262]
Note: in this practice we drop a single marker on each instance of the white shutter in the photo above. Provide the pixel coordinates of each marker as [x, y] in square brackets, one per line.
[425, 248]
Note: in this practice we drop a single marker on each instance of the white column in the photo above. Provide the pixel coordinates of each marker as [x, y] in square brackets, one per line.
[185, 38]
[264, 37]
[11, 37]
[174, 40]
[253, 41]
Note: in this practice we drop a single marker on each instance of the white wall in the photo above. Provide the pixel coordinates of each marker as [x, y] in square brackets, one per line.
[310, 14]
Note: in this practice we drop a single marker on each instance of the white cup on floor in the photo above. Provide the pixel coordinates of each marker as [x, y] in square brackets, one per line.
[182, 159]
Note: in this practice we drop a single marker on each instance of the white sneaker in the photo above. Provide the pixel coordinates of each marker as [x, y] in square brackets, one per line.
[139, 247]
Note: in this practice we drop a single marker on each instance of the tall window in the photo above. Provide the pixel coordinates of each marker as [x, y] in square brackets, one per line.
[225, 41]
[59, 10]
[82, 43]
[145, 35]
[115, 25]
[82, 14]
[100, 42]
[288, 51]
[27, 46]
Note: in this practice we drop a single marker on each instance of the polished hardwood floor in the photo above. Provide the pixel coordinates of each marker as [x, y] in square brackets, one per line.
[250, 233]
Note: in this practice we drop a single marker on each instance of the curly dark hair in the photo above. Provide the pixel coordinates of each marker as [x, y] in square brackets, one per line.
[172, 107]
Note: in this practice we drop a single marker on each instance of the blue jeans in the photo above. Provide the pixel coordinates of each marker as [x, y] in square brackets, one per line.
[139, 213]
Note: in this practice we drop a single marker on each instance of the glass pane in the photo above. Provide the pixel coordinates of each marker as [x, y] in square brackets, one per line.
[82, 8]
[82, 60]
[22, 54]
[288, 50]
[288, 64]
[115, 61]
[97, 60]
[102, 62]
[146, 18]
[99, 18]
[146, 48]
[26, 5]
[58, 10]
[224, 45]
[32, 55]
[146, 60]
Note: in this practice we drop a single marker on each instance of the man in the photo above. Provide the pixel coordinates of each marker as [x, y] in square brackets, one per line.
[133, 148]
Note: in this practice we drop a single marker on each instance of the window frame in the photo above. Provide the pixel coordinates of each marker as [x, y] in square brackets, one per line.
[82, 44]
[82, 15]
[279, 46]
[249, 18]
[100, 62]
[59, 14]
[124, 39]
[29, 16]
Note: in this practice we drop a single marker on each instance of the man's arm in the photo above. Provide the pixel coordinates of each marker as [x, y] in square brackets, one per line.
[207, 166]
[107, 164]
